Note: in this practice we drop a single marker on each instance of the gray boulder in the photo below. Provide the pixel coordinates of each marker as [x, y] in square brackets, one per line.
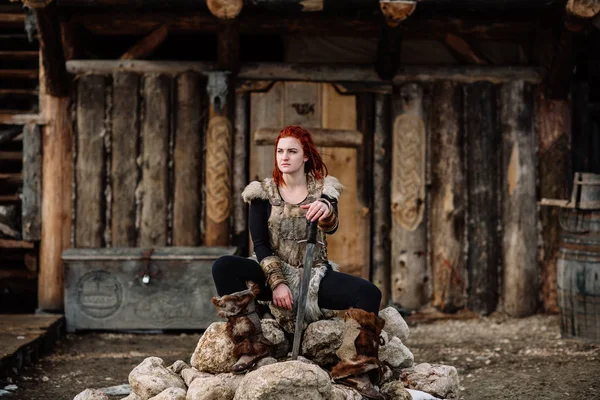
[322, 339]
[395, 390]
[217, 387]
[274, 334]
[396, 354]
[170, 394]
[395, 325]
[91, 394]
[151, 377]
[436, 379]
[214, 352]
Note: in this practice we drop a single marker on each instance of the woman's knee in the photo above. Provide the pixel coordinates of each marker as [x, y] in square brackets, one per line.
[223, 265]
[370, 295]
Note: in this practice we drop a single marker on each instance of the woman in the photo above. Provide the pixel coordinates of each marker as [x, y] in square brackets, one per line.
[280, 208]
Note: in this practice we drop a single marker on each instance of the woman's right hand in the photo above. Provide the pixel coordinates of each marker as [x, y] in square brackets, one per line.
[282, 296]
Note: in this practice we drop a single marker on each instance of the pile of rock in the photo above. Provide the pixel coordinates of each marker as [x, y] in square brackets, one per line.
[279, 378]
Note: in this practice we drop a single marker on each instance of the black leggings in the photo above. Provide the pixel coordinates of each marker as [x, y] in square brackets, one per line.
[338, 291]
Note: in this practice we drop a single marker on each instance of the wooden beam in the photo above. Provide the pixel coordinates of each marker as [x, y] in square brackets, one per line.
[322, 137]
[11, 155]
[241, 158]
[11, 178]
[21, 119]
[53, 59]
[388, 52]
[557, 82]
[19, 54]
[15, 244]
[147, 45]
[9, 19]
[102, 67]
[468, 74]
[463, 49]
[19, 74]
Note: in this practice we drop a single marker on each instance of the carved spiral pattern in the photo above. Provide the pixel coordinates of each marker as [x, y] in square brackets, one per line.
[408, 194]
[218, 170]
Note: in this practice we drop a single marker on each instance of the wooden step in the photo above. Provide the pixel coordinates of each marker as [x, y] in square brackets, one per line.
[19, 74]
[11, 155]
[15, 244]
[19, 55]
[19, 92]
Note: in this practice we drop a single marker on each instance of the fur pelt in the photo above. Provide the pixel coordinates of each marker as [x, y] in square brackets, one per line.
[249, 347]
[233, 304]
[239, 328]
[356, 366]
[367, 340]
[267, 189]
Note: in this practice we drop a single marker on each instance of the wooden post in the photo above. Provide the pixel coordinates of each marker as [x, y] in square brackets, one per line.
[155, 154]
[519, 214]
[482, 175]
[555, 172]
[90, 167]
[240, 172]
[410, 275]
[125, 151]
[381, 198]
[32, 183]
[57, 163]
[447, 216]
[188, 160]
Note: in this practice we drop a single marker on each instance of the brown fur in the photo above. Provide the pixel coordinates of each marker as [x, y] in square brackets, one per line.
[239, 328]
[233, 304]
[248, 347]
[367, 341]
[357, 366]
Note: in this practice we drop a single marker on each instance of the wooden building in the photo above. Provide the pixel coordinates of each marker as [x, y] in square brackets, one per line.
[446, 120]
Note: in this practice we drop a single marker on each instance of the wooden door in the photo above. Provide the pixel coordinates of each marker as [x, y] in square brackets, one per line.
[323, 111]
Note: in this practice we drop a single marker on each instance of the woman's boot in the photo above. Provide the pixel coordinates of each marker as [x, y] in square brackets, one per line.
[243, 327]
[359, 367]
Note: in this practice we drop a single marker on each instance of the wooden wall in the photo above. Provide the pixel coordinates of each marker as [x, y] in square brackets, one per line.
[464, 211]
[138, 159]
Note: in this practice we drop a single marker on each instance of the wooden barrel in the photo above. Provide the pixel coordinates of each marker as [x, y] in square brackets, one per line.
[578, 274]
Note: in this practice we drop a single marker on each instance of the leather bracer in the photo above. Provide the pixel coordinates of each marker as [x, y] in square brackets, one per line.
[271, 267]
[330, 222]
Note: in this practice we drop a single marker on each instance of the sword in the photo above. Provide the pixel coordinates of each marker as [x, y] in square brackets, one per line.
[311, 242]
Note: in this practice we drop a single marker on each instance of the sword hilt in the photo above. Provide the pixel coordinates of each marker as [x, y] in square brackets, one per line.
[311, 235]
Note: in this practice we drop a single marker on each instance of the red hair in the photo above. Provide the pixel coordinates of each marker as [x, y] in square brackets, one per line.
[314, 165]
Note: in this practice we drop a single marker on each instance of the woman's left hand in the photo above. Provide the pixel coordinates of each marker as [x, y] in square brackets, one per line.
[316, 210]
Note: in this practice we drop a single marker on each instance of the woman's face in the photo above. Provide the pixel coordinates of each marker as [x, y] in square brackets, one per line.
[290, 156]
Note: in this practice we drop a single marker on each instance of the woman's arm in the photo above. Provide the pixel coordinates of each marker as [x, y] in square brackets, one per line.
[329, 224]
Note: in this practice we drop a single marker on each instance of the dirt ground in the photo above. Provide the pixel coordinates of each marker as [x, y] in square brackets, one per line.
[496, 358]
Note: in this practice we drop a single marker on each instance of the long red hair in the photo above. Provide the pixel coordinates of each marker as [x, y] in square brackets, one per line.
[313, 165]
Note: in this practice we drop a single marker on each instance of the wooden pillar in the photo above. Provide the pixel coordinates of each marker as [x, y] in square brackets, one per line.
[219, 137]
[482, 175]
[381, 198]
[57, 164]
[240, 172]
[31, 203]
[555, 173]
[448, 200]
[188, 160]
[519, 210]
[410, 274]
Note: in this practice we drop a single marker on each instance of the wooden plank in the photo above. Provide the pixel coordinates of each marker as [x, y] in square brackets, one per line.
[31, 206]
[125, 172]
[90, 162]
[78, 67]
[322, 137]
[381, 198]
[155, 144]
[14, 178]
[15, 244]
[12, 19]
[19, 54]
[554, 136]
[241, 159]
[482, 172]
[9, 198]
[57, 204]
[18, 92]
[187, 201]
[350, 245]
[410, 275]
[468, 74]
[147, 45]
[18, 118]
[11, 155]
[19, 74]
[448, 200]
[519, 210]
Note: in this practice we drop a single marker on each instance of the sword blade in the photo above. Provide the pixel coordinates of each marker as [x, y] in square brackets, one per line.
[301, 306]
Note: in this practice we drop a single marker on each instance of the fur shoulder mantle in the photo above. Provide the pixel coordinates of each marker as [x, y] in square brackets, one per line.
[267, 190]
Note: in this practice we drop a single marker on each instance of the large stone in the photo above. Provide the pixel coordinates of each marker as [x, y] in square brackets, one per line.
[396, 354]
[217, 387]
[214, 352]
[395, 390]
[322, 339]
[436, 379]
[178, 366]
[395, 325]
[170, 394]
[290, 380]
[189, 374]
[341, 392]
[91, 394]
[131, 396]
[151, 377]
[274, 334]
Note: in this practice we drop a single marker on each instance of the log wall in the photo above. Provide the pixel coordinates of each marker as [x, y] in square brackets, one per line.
[139, 159]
